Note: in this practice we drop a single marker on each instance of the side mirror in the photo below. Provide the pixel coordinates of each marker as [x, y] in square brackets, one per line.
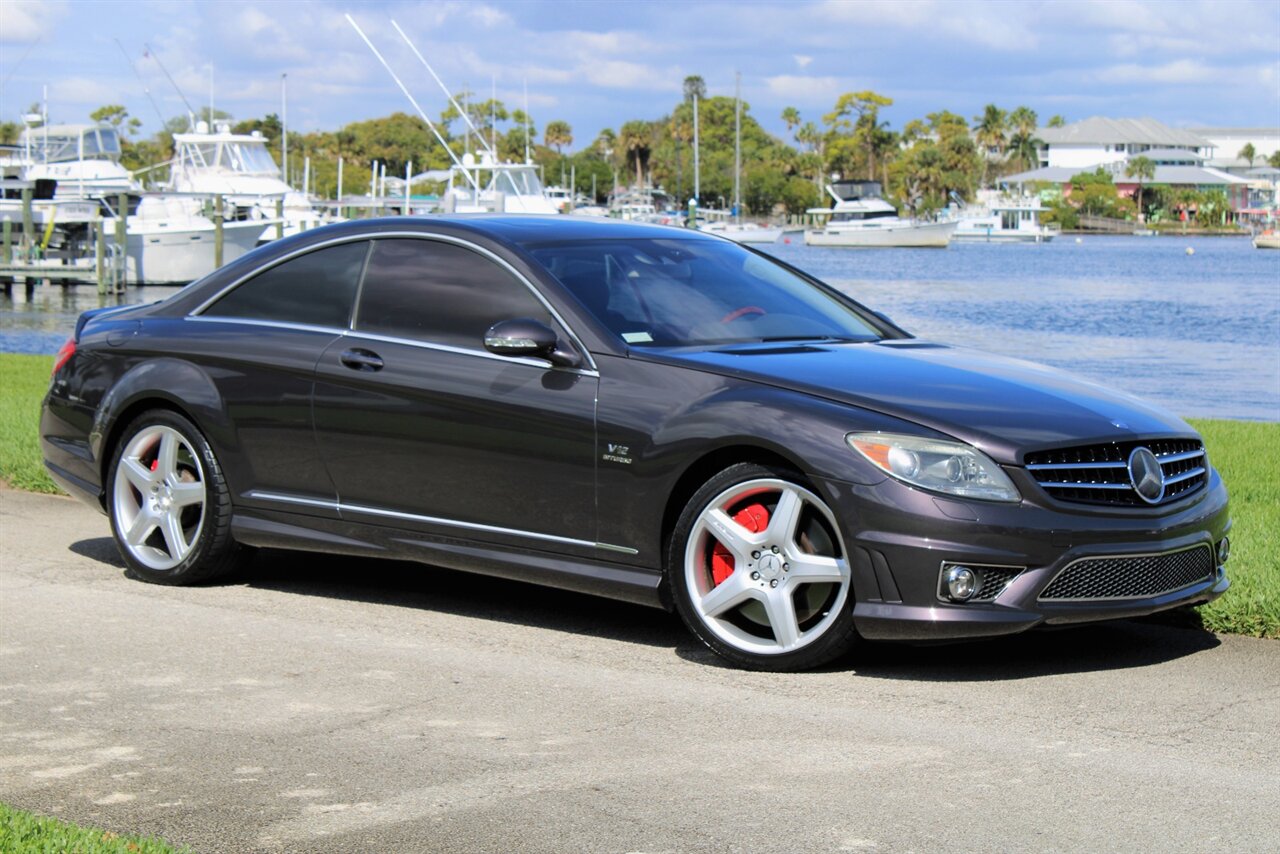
[527, 337]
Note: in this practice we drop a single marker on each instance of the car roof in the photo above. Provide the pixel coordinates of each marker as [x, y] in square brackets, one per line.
[522, 229]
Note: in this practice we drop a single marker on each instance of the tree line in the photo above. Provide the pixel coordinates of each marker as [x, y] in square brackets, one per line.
[931, 160]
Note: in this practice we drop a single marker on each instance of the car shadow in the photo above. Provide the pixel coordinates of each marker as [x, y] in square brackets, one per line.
[1097, 647]
[406, 584]
[1117, 645]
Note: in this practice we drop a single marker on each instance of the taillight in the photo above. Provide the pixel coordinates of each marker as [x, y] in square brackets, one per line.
[65, 352]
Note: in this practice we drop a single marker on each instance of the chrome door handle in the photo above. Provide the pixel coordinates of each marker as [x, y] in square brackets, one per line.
[358, 359]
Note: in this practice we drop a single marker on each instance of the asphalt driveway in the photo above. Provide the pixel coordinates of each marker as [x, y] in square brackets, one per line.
[326, 704]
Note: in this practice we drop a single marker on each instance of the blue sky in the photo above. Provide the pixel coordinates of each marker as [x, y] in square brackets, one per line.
[598, 64]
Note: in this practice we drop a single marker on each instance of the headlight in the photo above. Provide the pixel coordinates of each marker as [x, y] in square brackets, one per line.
[953, 468]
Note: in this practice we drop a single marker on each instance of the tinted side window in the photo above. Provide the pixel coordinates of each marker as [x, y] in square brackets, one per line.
[440, 293]
[316, 289]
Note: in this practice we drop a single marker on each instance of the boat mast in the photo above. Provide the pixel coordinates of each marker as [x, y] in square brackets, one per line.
[697, 170]
[284, 126]
[737, 147]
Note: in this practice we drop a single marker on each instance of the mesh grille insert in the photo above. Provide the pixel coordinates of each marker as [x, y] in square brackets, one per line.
[1131, 577]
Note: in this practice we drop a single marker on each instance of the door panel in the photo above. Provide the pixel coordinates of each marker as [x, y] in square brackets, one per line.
[458, 437]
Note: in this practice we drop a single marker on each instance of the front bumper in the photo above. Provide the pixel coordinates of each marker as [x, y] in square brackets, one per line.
[900, 537]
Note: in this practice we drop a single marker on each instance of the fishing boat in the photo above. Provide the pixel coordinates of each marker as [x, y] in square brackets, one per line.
[1006, 221]
[84, 160]
[860, 218]
[170, 241]
[485, 184]
[239, 168]
[1269, 239]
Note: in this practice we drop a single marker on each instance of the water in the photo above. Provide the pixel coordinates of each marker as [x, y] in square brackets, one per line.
[1199, 334]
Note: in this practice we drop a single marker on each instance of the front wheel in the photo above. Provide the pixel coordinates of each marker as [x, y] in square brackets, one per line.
[169, 504]
[759, 572]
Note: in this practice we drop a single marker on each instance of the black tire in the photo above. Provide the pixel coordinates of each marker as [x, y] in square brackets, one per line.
[780, 559]
[186, 543]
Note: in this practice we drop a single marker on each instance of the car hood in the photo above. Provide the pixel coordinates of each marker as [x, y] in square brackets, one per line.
[1003, 406]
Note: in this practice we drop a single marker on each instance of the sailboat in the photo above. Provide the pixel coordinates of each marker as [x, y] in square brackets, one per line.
[742, 232]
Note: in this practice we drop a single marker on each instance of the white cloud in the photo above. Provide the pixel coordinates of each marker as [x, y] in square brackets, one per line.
[803, 90]
[802, 61]
[24, 21]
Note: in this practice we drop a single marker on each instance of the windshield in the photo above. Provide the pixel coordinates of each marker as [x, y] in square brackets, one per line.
[248, 157]
[677, 292]
[520, 182]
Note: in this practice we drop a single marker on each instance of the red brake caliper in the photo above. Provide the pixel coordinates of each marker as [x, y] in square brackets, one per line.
[754, 518]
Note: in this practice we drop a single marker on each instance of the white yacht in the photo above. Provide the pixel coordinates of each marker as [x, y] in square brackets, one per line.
[1005, 221]
[487, 185]
[743, 232]
[861, 218]
[169, 241]
[239, 168]
[83, 159]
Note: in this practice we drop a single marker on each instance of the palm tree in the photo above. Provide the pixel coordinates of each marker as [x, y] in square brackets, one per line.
[1024, 120]
[791, 116]
[1025, 148]
[1056, 122]
[1144, 169]
[557, 133]
[989, 130]
[1248, 152]
[634, 138]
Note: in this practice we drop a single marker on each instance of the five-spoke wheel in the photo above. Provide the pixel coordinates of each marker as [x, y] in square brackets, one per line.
[169, 508]
[759, 571]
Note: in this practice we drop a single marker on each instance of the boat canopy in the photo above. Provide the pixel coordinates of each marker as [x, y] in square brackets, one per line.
[238, 153]
[63, 143]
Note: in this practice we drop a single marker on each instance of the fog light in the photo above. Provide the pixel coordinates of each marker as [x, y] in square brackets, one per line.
[962, 583]
[1224, 550]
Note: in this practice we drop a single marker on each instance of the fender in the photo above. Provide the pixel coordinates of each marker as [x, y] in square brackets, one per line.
[179, 383]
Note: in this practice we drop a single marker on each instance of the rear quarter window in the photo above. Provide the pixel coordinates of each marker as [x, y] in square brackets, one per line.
[315, 289]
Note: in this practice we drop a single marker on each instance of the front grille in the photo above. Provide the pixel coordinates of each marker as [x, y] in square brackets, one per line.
[1130, 577]
[1099, 474]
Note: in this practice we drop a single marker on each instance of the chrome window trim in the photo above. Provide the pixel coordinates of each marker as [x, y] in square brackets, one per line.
[415, 235]
[464, 351]
[335, 331]
[432, 520]
[1213, 561]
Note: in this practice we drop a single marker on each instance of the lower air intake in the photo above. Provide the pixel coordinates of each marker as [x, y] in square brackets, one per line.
[1130, 576]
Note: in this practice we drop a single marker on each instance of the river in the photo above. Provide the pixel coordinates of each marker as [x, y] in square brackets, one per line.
[1197, 333]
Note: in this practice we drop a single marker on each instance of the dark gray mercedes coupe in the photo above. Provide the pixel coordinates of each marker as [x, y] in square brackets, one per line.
[639, 412]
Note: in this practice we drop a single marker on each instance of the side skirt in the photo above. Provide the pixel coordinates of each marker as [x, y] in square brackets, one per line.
[267, 529]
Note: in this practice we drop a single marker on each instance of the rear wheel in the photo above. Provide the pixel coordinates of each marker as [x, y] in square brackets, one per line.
[759, 573]
[169, 505]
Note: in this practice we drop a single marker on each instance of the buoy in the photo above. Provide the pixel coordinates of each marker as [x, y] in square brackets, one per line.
[786, 240]
[1079, 240]
[1190, 251]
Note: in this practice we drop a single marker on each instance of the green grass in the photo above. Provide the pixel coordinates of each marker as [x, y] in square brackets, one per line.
[23, 383]
[26, 833]
[1247, 453]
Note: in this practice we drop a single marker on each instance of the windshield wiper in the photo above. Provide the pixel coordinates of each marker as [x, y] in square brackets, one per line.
[778, 338]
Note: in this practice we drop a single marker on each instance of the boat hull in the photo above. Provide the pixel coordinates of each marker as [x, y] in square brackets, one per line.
[156, 255]
[1267, 241]
[928, 234]
[996, 235]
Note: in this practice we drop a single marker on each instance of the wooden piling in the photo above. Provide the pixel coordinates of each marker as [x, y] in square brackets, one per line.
[28, 224]
[122, 237]
[217, 232]
[99, 251]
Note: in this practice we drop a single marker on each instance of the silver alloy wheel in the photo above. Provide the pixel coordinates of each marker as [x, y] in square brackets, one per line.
[770, 569]
[159, 498]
